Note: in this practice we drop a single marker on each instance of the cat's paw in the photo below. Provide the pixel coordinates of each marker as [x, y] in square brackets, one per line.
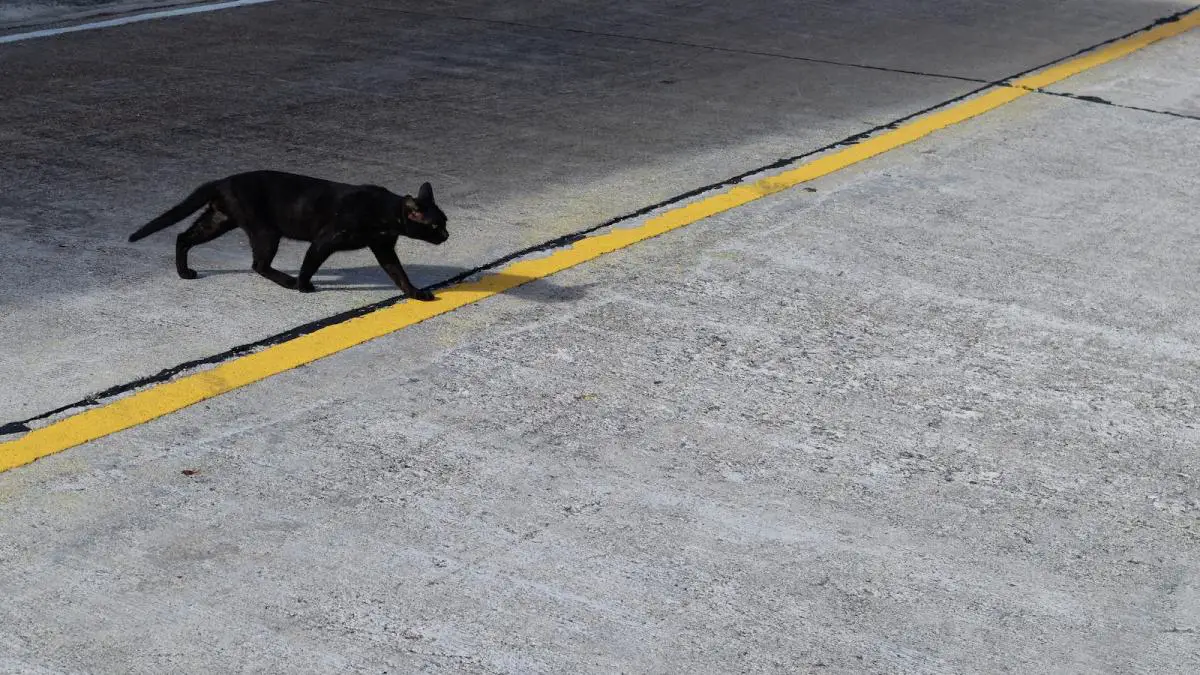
[188, 274]
[423, 295]
[306, 287]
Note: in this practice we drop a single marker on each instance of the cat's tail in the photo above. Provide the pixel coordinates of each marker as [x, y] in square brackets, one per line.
[194, 201]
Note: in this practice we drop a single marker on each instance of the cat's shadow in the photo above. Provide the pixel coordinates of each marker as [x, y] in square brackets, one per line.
[373, 278]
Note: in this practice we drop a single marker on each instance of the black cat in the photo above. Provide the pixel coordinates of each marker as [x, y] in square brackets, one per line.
[270, 205]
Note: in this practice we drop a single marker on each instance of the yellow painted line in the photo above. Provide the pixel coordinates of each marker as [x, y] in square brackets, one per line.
[168, 397]
[1109, 52]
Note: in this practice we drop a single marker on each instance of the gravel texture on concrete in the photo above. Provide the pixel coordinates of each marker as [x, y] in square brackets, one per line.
[936, 415]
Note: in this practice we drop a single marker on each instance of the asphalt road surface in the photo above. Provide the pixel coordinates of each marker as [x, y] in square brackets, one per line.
[935, 413]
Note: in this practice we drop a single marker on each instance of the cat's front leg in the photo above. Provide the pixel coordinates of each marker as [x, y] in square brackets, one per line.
[386, 255]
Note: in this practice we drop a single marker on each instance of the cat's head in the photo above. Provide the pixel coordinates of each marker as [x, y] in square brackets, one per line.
[420, 217]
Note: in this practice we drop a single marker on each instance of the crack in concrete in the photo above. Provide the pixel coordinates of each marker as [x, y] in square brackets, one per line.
[661, 41]
[1103, 101]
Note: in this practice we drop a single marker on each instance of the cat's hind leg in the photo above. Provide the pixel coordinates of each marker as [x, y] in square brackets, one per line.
[317, 254]
[264, 246]
[208, 226]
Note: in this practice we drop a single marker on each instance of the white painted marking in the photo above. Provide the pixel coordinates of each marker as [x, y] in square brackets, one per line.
[134, 18]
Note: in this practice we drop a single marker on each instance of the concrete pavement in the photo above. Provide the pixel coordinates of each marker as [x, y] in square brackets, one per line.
[936, 416]
[528, 129]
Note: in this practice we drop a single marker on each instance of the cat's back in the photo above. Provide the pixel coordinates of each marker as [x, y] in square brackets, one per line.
[291, 202]
[282, 190]
[272, 180]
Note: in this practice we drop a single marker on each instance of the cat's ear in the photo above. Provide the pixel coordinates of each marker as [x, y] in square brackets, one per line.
[425, 194]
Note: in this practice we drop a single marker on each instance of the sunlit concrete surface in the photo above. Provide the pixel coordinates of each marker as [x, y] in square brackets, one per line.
[936, 415]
